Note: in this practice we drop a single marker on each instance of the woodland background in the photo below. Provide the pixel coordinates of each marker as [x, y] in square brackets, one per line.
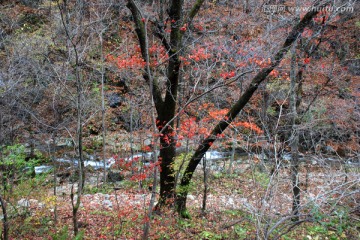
[107, 107]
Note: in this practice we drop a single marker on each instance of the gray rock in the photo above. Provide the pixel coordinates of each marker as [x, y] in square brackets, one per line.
[23, 203]
[114, 176]
[42, 169]
[190, 197]
[107, 203]
[231, 201]
[114, 100]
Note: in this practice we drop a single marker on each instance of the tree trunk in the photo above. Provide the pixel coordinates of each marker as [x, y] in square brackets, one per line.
[233, 148]
[64, 14]
[154, 183]
[165, 107]
[294, 138]
[5, 234]
[167, 175]
[103, 110]
[203, 210]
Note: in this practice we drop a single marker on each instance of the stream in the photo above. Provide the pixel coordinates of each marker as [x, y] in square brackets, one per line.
[213, 156]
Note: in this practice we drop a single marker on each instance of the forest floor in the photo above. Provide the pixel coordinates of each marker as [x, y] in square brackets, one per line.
[242, 205]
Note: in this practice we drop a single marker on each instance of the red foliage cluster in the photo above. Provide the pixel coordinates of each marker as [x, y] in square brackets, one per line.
[158, 54]
[136, 61]
[274, 73]
[124, 62]
[261, 62]
[188, 128]
[227, 75]
[251, 126]
[127, 165]
[197, 55]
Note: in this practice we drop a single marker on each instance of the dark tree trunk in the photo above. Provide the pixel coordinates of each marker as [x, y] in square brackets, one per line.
[203, 210]
[167, 176]
[165, 106]
[5, 234]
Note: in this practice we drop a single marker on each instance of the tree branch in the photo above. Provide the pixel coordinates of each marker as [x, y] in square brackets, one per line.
[194, 10]
[140, 29]
[237, 107]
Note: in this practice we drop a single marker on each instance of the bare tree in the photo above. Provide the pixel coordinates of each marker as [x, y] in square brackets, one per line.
[237, 107]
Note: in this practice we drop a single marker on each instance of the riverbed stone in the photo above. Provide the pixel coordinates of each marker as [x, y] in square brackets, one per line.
[107, 203]
[23, 203]
[114, 176]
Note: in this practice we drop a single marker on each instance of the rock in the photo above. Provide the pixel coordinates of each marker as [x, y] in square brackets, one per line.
[148, 142]
[42, 169]
[106, 196]
[64, 142]
[191, 197]
[287, 157]
[33, 203]
[23, 203]
[231, 201]
[114, 100]
[41, 205]
[114, 176]
[107, 203]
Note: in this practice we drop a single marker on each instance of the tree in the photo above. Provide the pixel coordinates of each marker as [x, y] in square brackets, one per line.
[73, 21]
[237, 107]
[165, 106]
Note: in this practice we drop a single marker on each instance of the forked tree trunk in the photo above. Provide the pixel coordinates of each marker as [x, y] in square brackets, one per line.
[165, 106]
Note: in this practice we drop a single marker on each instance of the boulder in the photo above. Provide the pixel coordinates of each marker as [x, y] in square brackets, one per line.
[23, 203]
[114, 176]
[114, 100]
[190, 197]
[107, 204]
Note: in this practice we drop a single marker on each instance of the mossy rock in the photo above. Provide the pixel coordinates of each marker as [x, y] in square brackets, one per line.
[114, 176]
